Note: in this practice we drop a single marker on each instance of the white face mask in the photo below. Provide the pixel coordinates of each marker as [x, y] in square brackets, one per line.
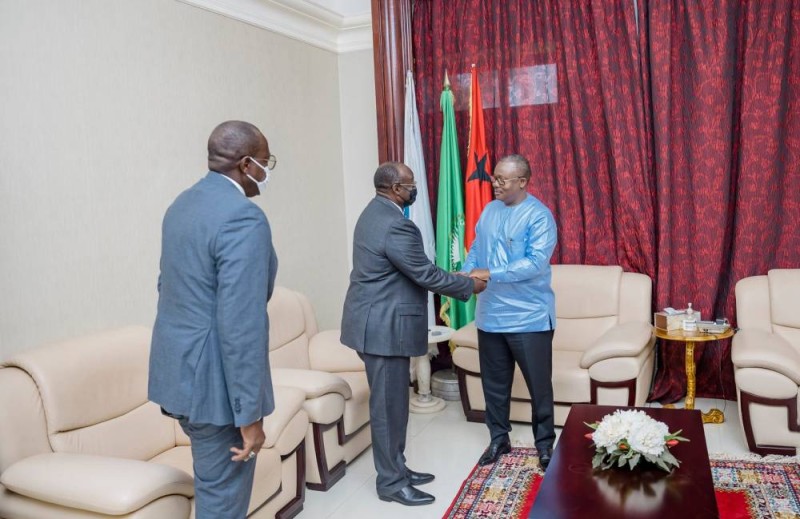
[262, 186]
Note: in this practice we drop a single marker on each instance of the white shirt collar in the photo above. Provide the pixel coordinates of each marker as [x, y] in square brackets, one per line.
[392, 202]
[229, 179]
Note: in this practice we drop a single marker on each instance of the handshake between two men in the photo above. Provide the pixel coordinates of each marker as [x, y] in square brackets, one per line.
[480, 278]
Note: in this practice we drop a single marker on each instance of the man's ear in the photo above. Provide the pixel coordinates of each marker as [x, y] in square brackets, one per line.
[242, 165]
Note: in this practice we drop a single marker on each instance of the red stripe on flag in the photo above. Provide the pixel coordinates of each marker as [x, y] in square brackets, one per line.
[478, 185]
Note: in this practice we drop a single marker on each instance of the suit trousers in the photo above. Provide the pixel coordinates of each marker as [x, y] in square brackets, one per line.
[222, 487]
[388, 379]
[533, 352]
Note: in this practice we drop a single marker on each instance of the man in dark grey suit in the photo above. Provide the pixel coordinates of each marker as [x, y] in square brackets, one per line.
[385, 321]
[209, 365]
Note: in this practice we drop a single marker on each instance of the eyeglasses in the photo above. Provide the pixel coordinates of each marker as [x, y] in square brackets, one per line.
[271, 161]
[502, 181]
[412, 184]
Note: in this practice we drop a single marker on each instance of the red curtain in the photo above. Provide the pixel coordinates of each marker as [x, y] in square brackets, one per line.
[670, 150]
[591, 168]
[726, 125]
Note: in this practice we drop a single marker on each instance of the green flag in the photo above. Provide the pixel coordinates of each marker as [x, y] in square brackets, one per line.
[450, 253]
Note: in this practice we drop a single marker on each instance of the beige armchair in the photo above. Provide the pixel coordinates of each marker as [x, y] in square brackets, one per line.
[602, 350]
[78, 438]
[766, 360]
[334, 380]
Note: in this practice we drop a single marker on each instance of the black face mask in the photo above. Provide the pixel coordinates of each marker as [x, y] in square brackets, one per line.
[412, 197]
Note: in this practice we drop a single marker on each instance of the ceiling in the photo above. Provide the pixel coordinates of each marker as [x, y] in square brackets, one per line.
[335, 25]
[343, 8]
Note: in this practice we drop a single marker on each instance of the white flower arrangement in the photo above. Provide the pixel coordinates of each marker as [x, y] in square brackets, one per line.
[628, 436]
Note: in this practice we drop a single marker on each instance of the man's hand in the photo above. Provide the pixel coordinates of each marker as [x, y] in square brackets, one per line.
[478, 286]
[482, 274]
[253, 438]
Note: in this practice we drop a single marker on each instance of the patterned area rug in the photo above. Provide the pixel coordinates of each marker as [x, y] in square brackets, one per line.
[505, 489]
[765, 487]
[745, 488]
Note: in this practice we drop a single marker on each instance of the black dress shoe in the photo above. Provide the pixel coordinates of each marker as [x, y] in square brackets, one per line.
[494, 451]
[545, 457]
[419, 478]
[409, 496]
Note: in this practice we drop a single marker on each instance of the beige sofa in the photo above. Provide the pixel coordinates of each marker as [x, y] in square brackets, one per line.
[78, 438]
[603, 347]
[334, 380]
[766, 360]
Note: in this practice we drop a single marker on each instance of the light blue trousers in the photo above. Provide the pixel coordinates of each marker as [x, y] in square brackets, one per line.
[221, 487]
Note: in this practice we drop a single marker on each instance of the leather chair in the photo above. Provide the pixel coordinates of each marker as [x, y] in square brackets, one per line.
[603, 347]
[766, 360]
[79, 439]
[334, 380]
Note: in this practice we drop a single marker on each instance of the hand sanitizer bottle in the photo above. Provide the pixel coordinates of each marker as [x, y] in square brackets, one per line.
[690, 323]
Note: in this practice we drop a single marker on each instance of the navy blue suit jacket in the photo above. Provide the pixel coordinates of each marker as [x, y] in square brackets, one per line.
[209, 354]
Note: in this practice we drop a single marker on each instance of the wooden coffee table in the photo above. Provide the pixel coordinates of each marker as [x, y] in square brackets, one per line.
[571, 488]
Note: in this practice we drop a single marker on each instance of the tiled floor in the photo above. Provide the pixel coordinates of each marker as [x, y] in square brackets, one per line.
[447, 445]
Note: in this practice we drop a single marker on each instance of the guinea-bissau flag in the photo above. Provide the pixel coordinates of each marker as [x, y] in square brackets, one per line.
[450, 251]
[478, 186]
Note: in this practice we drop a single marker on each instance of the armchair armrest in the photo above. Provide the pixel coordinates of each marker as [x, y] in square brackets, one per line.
[314, 383]
[622, 340]
[466, 336]
[111, 486]
[327, 353]
[761, 349]
[288, 402]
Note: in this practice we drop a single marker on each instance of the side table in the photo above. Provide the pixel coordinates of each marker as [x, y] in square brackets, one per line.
[423, 401]
[689, 339]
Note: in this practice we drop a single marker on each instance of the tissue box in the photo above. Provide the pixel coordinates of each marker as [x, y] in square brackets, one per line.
[672, 322]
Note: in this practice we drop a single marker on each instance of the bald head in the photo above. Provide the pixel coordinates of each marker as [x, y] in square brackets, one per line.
[230, 141]
[387, 175]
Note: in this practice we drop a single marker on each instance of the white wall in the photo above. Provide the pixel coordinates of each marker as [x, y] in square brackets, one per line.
[106, 108]
[359, 135]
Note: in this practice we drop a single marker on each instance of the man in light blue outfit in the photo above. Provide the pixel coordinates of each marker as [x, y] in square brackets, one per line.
[515, 316]
[209, 365]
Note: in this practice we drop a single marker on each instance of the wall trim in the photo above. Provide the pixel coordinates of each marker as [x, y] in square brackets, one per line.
[299, 20]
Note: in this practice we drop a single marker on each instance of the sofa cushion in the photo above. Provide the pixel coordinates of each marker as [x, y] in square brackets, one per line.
[784, 294]
[586, 290]
[466, 336]
[95, 387]
[139, 434]
[293, 354]
[99, 484]
[288, 322]
[327, 353]
[579, 334]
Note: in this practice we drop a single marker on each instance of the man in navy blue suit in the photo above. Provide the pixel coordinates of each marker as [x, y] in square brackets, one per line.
[209, 365]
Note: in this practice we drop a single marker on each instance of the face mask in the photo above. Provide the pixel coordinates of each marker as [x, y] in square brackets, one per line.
[412, 197]
[262, 186]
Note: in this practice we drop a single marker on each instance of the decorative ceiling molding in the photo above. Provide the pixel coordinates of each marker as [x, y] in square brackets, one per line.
[298, 19]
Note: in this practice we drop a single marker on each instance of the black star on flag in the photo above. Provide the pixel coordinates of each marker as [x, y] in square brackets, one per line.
[480, 174]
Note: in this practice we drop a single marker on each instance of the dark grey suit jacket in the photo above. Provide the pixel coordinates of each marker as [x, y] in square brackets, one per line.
[385, 311]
